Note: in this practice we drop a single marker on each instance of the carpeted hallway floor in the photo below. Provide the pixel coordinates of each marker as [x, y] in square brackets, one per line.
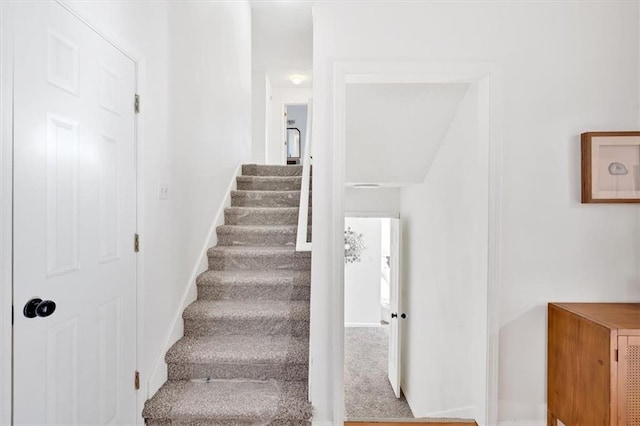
[368, 393]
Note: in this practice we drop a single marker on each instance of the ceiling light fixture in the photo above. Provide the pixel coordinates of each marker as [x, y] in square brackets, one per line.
[297, 79]
[367, 185]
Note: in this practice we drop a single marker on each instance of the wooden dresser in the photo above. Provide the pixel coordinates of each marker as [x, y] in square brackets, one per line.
[593, 364]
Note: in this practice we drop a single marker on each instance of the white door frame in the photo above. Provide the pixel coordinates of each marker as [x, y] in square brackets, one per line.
[6, 211]
[280, 98]
[286, 126]
[6, 206]
[488, 76]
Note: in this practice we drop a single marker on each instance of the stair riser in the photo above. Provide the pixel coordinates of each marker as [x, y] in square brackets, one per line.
[290, 279]
[188, 371]
[261, 170]
[253, 292]
[267, 218]
[267, 200]
[270, 327]
[257, 238]
[263, 262]
[260, 185]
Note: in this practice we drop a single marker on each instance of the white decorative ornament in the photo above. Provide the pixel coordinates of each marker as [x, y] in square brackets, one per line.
[353, 246]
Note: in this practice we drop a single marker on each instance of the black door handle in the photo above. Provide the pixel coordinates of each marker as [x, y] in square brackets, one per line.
[403, 316]
[37, 307]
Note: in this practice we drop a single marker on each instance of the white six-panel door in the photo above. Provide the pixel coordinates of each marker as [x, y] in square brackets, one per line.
[74, 222]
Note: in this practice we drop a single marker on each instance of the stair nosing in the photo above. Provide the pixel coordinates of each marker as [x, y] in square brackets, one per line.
[261, 208]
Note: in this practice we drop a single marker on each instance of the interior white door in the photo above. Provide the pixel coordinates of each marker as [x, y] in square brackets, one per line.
[395, 306]
[74, 222]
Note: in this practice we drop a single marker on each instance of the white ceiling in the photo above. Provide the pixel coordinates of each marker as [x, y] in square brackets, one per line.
[394, 131]
[282, 40]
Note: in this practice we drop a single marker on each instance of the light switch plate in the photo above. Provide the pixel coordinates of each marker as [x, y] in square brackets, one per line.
[163, 191]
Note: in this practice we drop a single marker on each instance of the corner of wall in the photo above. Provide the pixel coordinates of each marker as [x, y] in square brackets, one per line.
[158, 374]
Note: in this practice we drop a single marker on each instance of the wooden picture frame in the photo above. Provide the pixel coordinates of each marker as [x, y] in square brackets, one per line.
[611, 167]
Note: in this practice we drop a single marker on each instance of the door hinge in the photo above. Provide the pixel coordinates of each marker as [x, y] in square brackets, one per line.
[136, 103]
[136, 380]
[615, 355]
[136, 243]
[12, 314]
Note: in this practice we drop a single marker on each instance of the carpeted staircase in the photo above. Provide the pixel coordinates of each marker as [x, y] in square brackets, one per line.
[244, 357]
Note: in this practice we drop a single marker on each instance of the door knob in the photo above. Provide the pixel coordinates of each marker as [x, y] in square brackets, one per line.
[37, 307]
[403, 316]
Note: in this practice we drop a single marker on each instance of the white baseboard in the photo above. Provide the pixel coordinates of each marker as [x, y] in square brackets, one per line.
[321, 423]
[362, 324]
[457, 413]
[159, 373]
[454, 413]
[523, 423]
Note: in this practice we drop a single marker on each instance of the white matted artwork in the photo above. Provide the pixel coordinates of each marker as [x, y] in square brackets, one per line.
[611, 167]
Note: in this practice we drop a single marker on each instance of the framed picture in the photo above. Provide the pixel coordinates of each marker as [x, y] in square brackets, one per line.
[611, 167]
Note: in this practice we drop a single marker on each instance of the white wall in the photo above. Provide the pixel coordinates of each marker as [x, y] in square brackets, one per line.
[196, 104]
[211, 120]
[567, 67]
[362, 279]
[282, 38]
[444, 223]
[281, 97]
[394, 131]
[260, 115]
[380, 201]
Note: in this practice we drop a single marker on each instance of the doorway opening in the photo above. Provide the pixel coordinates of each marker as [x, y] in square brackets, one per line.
[282, 76]
[372, 320]
[295, 122]
[420, 149]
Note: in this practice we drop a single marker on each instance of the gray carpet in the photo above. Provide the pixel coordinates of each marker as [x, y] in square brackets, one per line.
[244, 357]
[368, 393]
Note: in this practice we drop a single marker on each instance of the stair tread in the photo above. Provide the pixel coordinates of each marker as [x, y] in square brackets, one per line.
[297, 310]
[225, 400]
[255, 251]
[261, 349]
[256, 277]
[274, 210]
